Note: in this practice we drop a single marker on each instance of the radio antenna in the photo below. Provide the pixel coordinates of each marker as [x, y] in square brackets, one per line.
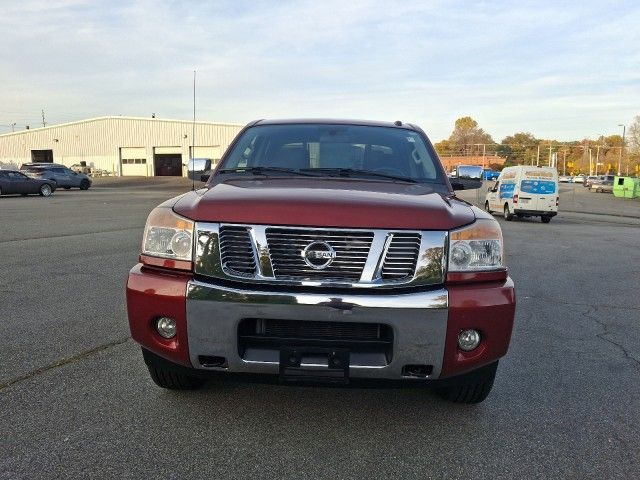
[193, 135]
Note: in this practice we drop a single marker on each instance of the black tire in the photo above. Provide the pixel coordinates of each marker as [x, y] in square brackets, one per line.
[168, 375]
[545, 219]
[67, 188]
[508, 216]
[45, 190]
[84, 185]
[486, 207]
[172, 379]
[474, 388]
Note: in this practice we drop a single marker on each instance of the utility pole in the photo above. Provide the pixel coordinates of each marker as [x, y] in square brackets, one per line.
[564, 162]
[538, 157]
[484, 154]
[624, 131]
[597, 158]
[44, 123]
[590, 163]
[550, 155]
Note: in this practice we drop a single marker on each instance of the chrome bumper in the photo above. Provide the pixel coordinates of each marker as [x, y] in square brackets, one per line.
[418, 321]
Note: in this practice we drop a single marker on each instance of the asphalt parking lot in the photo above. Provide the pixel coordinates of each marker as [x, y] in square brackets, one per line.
[76, 400]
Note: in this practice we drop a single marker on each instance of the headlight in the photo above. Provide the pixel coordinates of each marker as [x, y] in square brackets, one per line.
[168, 235]
[476, 247]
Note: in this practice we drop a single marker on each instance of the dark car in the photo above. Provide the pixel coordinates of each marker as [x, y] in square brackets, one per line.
[63, 176]
[13, 182]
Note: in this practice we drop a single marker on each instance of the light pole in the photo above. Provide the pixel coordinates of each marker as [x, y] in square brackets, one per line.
[624, 131]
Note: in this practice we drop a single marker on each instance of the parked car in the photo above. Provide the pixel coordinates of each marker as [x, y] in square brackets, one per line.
[565, 179]
[322, 251]
[589, 180]
[579, 179]
[14, 182]
[63, 176]
[602, 186]
[525, 192]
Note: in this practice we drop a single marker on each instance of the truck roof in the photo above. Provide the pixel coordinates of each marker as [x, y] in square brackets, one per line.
[332, 121]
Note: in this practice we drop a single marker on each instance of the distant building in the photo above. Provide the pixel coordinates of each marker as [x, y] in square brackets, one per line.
[120, 145]
[451, 162]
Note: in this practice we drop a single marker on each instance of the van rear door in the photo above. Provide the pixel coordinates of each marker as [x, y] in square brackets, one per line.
[538, 191]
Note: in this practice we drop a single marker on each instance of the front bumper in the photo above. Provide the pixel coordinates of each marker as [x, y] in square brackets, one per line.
[425, 324]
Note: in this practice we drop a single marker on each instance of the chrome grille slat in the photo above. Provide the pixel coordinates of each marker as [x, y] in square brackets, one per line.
[402, 256]
[236, 251]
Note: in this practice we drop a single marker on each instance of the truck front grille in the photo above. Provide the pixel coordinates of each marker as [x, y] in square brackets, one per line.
[286, 247]
[319, 257]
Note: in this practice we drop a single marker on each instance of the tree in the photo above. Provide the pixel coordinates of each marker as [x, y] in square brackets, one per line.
[518, 148]
[633, 136]
[465, 137]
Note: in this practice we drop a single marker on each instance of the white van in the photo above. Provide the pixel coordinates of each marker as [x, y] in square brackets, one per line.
[525, 192]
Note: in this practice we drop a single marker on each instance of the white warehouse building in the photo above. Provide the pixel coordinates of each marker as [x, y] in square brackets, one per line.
[120, 145]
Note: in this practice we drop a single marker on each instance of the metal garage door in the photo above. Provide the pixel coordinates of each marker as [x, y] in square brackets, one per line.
[134, 161]
[167, 161]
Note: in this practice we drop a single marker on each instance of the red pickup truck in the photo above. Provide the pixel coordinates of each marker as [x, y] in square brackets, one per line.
[325, 251]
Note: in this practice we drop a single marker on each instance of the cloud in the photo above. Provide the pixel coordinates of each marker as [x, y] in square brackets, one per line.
[555, 69]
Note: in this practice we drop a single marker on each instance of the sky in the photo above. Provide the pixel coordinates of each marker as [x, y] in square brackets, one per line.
[562, 70]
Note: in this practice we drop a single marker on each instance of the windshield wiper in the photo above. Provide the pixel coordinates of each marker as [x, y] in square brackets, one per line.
[265, 170]
[351, 172]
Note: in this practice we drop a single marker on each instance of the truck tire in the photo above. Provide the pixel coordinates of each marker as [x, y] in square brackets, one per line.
[84, 185]
[474, 389]
[508, 216]
[165, 376]
[545, 219]
[486, 207]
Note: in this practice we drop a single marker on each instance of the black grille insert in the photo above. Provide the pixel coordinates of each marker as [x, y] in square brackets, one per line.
[276, 334]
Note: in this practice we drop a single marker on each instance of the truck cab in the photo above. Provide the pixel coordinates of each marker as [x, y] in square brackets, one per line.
[524, 191]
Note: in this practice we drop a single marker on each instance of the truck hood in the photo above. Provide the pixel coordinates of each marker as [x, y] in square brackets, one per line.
[341, 203]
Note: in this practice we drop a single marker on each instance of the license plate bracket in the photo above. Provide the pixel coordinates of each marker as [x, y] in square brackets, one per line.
[314, 365]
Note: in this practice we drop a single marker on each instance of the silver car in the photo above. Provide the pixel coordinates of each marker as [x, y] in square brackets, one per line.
[63, 176]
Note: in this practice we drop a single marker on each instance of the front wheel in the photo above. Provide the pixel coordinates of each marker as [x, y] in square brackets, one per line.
[508, 216]
[45, 190]
[474, 388]
[84, 185]
[546, 219]
[166, 375]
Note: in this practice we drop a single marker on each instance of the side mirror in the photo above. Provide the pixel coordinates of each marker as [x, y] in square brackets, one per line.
[490, 189]
[465, 184]
[198, 166]
[205, 177]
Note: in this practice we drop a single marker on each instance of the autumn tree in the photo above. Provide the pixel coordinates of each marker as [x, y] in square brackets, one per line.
[465, 138]
[518, 148]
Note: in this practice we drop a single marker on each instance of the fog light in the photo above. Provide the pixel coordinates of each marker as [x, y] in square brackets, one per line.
[468, 340]
[166, 327]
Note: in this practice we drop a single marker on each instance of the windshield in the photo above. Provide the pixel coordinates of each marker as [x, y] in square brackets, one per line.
[323, 149]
